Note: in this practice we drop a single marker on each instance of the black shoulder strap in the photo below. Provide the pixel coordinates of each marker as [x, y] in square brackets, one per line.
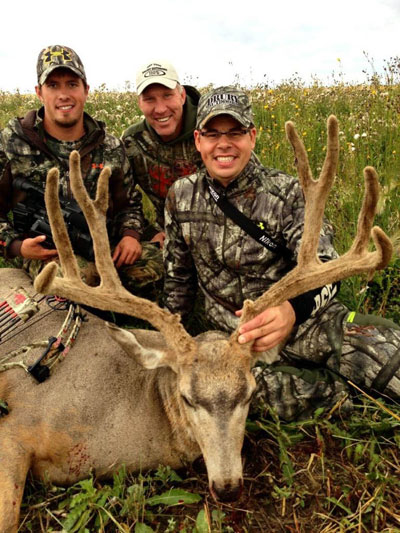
[246, 224]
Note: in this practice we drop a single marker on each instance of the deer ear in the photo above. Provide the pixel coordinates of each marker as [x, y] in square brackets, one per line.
[148, 358]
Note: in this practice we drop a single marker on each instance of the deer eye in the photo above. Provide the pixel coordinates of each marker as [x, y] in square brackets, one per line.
[186, 401]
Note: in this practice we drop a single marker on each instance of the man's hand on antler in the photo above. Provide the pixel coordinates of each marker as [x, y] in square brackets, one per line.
[127, 251]
[269, 328]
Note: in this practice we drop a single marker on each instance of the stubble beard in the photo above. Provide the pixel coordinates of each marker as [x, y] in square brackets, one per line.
[67, 124]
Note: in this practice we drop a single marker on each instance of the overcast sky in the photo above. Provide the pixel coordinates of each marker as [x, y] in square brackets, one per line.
[211, 41]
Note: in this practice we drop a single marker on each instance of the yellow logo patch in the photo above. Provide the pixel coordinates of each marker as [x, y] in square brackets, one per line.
[48, 56]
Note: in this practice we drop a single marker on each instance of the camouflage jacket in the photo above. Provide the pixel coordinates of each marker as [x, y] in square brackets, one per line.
[204, 246]
[27, 152]
[157, 164]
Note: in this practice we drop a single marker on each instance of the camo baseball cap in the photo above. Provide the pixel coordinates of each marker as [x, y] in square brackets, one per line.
[58, 56]
[224, 101]
[156, 72]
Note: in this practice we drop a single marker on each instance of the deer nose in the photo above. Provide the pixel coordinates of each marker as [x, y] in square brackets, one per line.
[228, 492]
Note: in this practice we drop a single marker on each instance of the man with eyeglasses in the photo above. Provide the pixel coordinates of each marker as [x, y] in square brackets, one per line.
[233, 229]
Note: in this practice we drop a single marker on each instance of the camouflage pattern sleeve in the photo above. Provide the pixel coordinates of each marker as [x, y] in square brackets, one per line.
[127, 201]
[7, 233]
[180, 284]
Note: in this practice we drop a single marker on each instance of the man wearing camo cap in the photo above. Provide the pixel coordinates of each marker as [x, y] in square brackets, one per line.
[205, 246]
[43, 139]
[161, 147]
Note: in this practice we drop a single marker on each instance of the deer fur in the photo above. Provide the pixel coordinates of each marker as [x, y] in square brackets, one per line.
[117, 400]
[140, 398]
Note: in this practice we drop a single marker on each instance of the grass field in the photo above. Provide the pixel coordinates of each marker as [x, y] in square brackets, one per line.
[324, 475]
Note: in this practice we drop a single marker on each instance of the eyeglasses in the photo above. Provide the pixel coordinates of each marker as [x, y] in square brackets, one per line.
[232, 135]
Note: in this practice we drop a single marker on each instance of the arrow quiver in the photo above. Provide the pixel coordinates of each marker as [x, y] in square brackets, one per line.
[16, 308]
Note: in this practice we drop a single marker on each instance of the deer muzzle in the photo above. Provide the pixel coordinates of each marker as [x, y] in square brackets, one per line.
[229, 491]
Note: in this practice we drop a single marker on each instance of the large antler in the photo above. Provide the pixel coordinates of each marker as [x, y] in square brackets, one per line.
[110, 295]
[310, 272]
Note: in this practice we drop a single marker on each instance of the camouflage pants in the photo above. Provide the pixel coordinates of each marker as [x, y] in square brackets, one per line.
[145, 272]
[323, 354]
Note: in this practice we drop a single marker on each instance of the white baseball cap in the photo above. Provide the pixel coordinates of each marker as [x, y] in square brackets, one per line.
[156, 72]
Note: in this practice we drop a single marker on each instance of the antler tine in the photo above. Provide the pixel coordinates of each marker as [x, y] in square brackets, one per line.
[110, 295]
[315, 191]
[384, 247]
[310, 272]
[301, 159]
[95, 213]
[368, 210]
[61, 238]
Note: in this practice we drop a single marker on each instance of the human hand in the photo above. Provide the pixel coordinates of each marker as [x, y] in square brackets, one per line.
[269, 328]
[32, 248]
[127, 251]
[159, 237]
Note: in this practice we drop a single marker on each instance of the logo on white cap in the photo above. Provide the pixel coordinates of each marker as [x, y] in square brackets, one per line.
[154, 70]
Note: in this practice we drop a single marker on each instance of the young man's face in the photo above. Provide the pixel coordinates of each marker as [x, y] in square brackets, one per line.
[63, 95]
[163, 109]
[225, 158]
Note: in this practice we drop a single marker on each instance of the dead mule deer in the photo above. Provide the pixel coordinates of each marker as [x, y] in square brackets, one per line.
[144, 397]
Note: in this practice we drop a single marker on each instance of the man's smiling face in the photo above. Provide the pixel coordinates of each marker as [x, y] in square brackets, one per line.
[163, 109]
[63, 95]
[225, 158]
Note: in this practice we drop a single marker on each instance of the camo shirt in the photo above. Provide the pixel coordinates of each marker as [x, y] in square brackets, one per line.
[26, 151]
[157, 164]
[204, 246]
